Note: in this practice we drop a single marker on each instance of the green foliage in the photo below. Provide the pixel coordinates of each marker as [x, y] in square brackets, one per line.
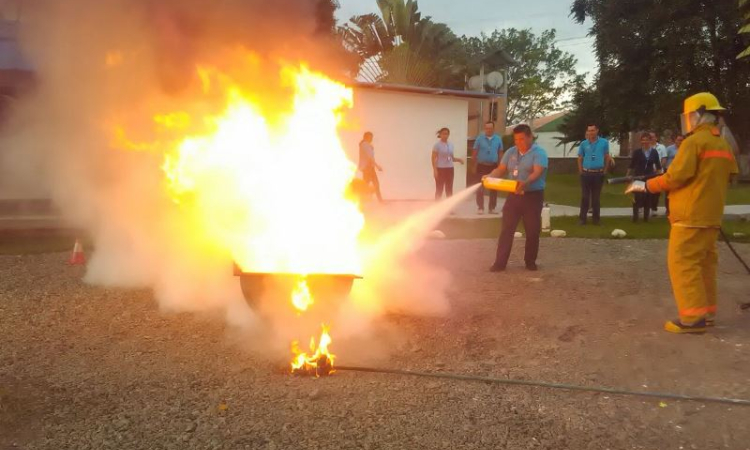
[587, 111]
[538, 83]
[744, 6]
[401, 43]
[324, 16]
[653, 54]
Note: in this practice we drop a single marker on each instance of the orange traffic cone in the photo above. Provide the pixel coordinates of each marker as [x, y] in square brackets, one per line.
[77, 257]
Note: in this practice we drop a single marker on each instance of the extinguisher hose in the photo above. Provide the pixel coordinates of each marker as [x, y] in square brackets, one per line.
[739, 258]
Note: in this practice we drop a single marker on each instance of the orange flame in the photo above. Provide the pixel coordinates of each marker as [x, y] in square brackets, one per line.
[266, 186]
[319, 361]
[242, 173]
[301, 298]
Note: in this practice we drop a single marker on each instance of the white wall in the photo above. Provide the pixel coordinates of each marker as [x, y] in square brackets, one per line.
[404, 126]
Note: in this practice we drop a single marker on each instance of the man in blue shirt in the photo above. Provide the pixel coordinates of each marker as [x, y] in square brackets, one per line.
[527, 164]
[593, 161]
[488, 149]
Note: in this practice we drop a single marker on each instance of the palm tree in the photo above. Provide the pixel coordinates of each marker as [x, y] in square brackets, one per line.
[399, 45]
[744, 6]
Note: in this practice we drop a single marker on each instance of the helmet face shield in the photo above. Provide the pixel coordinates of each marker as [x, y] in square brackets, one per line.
[688, 122]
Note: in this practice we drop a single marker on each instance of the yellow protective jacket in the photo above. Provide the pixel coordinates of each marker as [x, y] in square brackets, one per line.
[698, 179]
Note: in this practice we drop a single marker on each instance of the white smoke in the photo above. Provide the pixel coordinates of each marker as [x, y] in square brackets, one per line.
[60, 134]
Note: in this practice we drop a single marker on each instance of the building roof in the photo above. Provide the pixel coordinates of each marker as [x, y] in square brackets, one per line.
[546, 124]
[427, 90]
[552, 124]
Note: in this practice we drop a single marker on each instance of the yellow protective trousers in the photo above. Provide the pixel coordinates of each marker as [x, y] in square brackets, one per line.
[692, 260]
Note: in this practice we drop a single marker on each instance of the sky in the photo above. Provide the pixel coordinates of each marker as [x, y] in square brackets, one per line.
[471, 17]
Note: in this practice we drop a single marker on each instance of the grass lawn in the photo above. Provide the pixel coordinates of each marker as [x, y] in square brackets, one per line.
[31, 244]
[566, 190]
[657, 228]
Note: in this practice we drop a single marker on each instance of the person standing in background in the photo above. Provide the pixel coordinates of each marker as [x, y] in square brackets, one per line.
[442, 164]
[662, 151]
[488, 150]
[644, 161]
[593, 160]
[526, 163]
[671, 154]
[368, 165]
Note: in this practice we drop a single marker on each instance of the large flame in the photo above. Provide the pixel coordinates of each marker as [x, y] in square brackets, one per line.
[292, 216]
[266, 186]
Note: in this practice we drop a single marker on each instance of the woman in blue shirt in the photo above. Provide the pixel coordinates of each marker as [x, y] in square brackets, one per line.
[442, 164]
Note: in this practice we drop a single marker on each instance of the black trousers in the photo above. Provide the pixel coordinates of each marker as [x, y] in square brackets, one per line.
[444, 182]
[591, 191]
[654, 198]
[642, 200]
[526, 207]
[482, 170]
[370, 177]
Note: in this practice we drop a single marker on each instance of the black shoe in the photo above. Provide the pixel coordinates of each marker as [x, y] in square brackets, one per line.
[532, 267]
[596, 223]
[495, 268]
[581, 222]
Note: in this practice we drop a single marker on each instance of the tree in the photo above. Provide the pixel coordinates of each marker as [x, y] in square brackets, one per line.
[400, 45]
[589, 108]
[538, 83]
[324, 16]
[654, 54]
[744, 6]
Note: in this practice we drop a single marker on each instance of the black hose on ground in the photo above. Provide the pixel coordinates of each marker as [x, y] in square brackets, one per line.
[568, 387]
[731, 247]
[739, 258]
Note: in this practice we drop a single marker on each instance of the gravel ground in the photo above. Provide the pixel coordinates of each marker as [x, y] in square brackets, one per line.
[83, 367]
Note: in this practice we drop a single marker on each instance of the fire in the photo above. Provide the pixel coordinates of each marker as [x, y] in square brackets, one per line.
[318, 362]
[301, 297]
[273, 194]
[263, 180]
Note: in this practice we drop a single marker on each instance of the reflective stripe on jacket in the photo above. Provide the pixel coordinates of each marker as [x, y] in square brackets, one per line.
[698, 179]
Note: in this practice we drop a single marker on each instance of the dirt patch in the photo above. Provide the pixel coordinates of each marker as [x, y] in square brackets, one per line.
[90, 368]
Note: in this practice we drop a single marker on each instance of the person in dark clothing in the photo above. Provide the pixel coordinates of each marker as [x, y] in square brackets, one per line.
[644, 161]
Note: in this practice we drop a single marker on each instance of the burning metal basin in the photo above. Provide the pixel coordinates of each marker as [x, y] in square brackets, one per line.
[322, 286]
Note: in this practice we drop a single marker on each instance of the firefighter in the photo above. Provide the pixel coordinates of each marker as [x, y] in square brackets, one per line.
[696, 182]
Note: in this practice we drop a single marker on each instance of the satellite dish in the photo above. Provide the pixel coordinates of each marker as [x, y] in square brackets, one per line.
[495, 80]
[475, 83]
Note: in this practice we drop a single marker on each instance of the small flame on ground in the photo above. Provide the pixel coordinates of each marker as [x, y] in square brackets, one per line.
[319, 362]
[301, 298]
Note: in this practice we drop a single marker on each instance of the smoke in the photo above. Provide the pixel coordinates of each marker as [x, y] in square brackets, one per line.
[108, 65]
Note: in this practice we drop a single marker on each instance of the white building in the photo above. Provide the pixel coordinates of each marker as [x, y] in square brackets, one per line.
[548, 137]
[404, 121]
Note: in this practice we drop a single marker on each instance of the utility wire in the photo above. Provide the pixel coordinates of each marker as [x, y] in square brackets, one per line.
[569, 387]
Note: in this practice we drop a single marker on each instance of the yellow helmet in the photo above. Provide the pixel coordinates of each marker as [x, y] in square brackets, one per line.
[704, 101]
